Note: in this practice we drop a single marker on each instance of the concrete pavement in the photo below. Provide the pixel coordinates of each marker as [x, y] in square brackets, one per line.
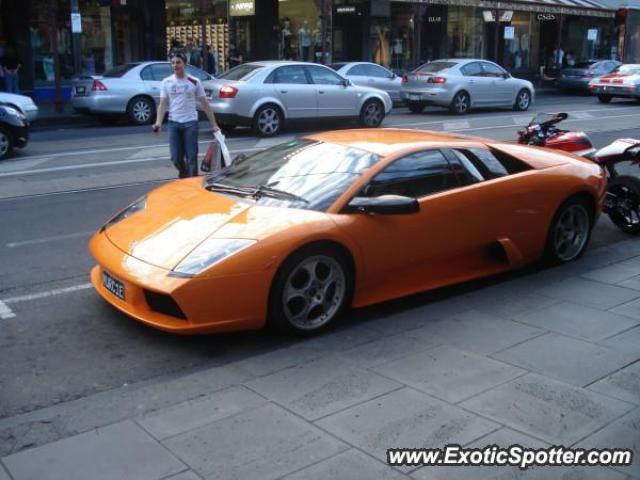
[543, 357]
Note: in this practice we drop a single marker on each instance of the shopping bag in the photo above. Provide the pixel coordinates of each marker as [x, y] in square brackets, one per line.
[211, 160]
[226, 156]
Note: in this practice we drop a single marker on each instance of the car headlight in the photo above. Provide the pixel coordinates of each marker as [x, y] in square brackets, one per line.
[208, 253]
[135, 207]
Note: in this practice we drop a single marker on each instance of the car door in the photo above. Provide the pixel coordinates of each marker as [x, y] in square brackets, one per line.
[412, 252]
[290, 84]
[334, 98]
[152, 76]
[501, 87]
[384, 80]
[474, 81]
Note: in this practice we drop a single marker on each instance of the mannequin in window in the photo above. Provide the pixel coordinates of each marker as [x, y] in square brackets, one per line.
[47, 67]
[317, 41]
[397, 49]
[285, 40]
[304, 41]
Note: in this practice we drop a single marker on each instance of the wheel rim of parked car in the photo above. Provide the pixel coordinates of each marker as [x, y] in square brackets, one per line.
[4, 144]
[372, 114]
[571, 232]
[142, 111]
[461, 103]
[523, 100]
[268, 121]
[313, 292]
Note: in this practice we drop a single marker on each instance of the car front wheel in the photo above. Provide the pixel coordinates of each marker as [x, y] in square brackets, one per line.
[6, 143]
[371, 114]
[523, 100]
[310, 291]
[461, 103]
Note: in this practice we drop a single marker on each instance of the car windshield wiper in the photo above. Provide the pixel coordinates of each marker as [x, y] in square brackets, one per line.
[267, 191]
[221, 187]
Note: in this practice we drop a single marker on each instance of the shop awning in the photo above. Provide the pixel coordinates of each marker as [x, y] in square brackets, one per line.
[566, 7]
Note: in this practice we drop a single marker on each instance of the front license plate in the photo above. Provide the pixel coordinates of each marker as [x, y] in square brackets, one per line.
[114, 286]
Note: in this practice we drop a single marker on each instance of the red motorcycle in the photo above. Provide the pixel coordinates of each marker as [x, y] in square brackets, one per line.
[622, 202]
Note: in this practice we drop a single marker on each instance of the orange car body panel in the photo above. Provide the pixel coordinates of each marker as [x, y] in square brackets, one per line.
[448, 241]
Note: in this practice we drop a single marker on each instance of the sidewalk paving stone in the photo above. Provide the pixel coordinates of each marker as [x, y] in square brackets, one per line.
[119, 451]
[623, 385]
[3, 475]
[590, 293]
[625, 341]
[479, 332]
[405, 419]
[564, 358]
[623, 433]
[389, 348]
[189, 475]
[577, 321]
[553, 411]
[449, 373]
[633, 282]
[349, 465]
[321, 387]
[631, 309]
[279, 359]
[612, 274]
[504, 438]
[196, 413]
[262, 444]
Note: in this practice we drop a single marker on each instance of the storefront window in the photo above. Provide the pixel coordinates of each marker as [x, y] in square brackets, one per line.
[399, 38]
[47, 27]
[301, 31]
[588, 38]
[517, 43]
[184, 30]
[465, 33]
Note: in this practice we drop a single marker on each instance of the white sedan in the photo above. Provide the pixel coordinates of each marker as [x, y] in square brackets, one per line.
[623, 82]
[21, 103]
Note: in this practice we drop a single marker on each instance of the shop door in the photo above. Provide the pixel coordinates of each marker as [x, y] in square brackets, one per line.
[347, 37]
[434, 34]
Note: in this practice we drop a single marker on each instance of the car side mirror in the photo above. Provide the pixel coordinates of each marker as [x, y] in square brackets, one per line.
[393, 76]
[506, 75]
[384, 205]
[346, 82]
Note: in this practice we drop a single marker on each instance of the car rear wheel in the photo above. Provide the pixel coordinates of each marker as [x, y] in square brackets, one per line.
[604, 98]
[141, 110]
[415, 107]
[569, 232]
[523, 100]
[461, 103]
[372, 114]
[6, 143]
[310, 290]
[268, 121]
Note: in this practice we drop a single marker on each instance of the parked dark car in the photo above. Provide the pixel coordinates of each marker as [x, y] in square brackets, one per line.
[14, 130]
[579, 76]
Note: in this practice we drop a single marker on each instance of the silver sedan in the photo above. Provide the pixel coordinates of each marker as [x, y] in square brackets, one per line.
[265, 95]
[369, 74]
[461, 84]
[132, 89]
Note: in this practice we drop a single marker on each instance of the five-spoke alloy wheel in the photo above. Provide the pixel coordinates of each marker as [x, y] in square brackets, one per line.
[461, 103]
[569, 232]
[372, 114]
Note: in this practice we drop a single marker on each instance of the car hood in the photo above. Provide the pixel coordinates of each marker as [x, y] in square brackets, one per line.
[182, 214]
[22, 101]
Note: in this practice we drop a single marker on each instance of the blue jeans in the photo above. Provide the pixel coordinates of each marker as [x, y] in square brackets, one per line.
[11, 83]
[183, 145]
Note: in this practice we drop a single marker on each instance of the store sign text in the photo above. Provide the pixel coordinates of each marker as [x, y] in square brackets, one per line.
[349, 9]
[239, 8]
[435, 19]
[546, 17]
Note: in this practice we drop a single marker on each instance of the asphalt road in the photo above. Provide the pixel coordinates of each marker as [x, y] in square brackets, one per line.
[59, 340]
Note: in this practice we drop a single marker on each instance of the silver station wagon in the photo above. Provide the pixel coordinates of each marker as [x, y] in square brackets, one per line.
[265, 95]
[132, 89]
[462, 84]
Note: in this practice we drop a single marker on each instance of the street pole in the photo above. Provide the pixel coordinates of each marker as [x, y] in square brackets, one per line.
[75, 41]
[53, 38]
[497, 36]
[203, 27]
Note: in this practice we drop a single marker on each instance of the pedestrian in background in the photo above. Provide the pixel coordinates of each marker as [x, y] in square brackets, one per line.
[10, 65]
[178, 95]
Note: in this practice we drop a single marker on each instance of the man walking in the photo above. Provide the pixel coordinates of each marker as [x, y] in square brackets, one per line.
[178, 95]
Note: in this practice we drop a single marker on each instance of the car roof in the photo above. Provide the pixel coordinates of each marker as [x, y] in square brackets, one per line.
[389, 141]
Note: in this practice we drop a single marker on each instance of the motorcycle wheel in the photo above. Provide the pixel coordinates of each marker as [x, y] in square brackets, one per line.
[625, 214]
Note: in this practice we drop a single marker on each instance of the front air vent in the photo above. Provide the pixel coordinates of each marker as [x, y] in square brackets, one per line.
[165, 304]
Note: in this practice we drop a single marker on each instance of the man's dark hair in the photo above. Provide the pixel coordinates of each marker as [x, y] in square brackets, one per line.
[178, 54]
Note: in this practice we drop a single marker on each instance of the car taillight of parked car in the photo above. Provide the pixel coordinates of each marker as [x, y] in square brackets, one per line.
[98, 86]
[228, 92]
[439, 80]
[405, 79]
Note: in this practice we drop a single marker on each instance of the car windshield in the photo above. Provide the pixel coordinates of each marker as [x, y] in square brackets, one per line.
[119, 71]
[628, 69]
[241, 72]
[434, 67]
[316, 172]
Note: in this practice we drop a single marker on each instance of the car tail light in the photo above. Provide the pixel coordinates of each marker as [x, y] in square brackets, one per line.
[405, 79]
[439, 80]
[98, 86]
[228, 92]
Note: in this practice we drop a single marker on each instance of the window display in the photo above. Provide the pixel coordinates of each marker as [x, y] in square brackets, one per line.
[301, 31]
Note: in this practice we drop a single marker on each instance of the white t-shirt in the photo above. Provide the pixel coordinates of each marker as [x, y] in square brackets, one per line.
[182, 93]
